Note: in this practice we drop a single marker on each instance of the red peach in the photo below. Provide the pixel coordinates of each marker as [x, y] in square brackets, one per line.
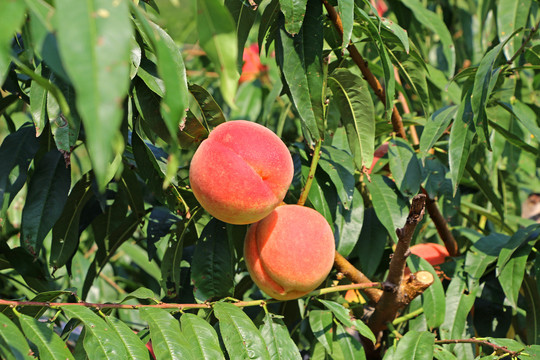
[435, 254]
[290, 252]
[241, 172]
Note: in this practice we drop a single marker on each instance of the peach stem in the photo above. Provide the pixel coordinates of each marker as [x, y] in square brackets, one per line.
[314, 161]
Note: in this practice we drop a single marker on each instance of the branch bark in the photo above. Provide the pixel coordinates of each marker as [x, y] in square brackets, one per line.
[356, 276]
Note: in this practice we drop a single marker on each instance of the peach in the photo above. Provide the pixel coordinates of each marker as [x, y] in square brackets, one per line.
[435, 254]
[290, 252]
[241, 172]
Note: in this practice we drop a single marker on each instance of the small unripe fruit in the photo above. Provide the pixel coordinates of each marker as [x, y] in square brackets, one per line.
[290, 252]
[241, 172]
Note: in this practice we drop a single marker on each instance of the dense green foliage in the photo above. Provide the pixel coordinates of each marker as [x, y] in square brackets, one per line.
[103, 103]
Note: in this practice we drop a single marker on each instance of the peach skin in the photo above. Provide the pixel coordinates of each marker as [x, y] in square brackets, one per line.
[241, 172]
[290, 252]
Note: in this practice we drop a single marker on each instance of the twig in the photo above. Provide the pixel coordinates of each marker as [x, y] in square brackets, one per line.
[356, 276]
[504, 349]
[441, 225]
[314, 161]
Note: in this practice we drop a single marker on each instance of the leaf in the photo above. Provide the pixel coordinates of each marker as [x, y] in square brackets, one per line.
[390, 208]
[350, 347]
[212, 267]
[94, 43]
[38, 104]
[294, 13]
[511, 15]
[320, 322]
[432, 21]
[210, 110]
[486, 188]
[398, 32]
[134, 346]
[340, 168]
[277, 338]
[405, 167]
[415, 345]
[49, 344]
[201, 337]
[13, 345]
[372, 242]
[141, 293]
[100, 342]
[532, 299]
[16, 151]
[433, 299]
[65, 239]
[349, 224]
[343, 315]
[435, 126]
[47, 194]
[300, 60]
[171, 70]
[483, 253]
[11, 17]
[525, 115]
[512, 273]
[160, 221]
[244, 14]
[239, 334]
[47, 296]
[461, 136]
[268, 18]
[357, 114]
[217, 36]
[346, 13]
[167, 340]
[529, 235]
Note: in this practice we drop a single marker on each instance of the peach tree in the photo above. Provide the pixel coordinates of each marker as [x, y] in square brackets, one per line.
[407, 122]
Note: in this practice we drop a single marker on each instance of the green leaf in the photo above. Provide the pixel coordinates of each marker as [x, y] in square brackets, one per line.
[11, 17]
[294, 12]
[357, 114]
[344, 316]
[38, 104]
[348, 224]
[300, 60]
[390, 208]
[100, 342]
[244, 14]
[171, 70]
[483, 253]
[201, 337]
[239, 334]
[441, 353]
[433, 299]
[433, 22]
[134, 346]
[405, 167]
[268, 18]
[525, 115]
[49, 344]
[47, 296]
[65, 239]
[277, 338]
[531, 294]
[350, 347]
[511, 15]
[94, 42]
[461, 137]
[415, 345]
[13, 345]
[210, 110]
[167, 340]
[486, 188]
[16, 151]
[346, 13]
[435, 126]
[321, 322]
[141, 293]
[512, 273]
[217, 36]
[398, 32]
[529, 235]
[340, 168]
[47, 195]
[212, 269]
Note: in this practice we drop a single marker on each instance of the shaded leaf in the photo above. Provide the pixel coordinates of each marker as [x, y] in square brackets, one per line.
[278, 341]
[11, 17]
[346, 13]
[13, 345]
[350, 347]
[210, 110]
[294, 12]
[435, 126]
[340, 168]
[405, 167]
[49, 344]
[244, 14]
[461, 136]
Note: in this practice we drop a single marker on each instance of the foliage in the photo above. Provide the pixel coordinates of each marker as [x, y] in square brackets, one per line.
[103, 103]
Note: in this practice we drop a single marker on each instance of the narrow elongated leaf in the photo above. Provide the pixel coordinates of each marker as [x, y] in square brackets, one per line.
[511, 275]
[100, 342]
[171, 70]
[167, 340]
[210, 110]
[240, 336]
[398, 32]
[38, 104]
[486, 188]
[16, 151]
[350, 347]
[217, 36]
[483, 253]
[94, 42]
[348, 224]
[201, 337]
[244, 14]
[511, 15]
[531, 294]
[49, 344]
[320, 322]
[525, 115]
[346, 13]
[268, 18]
[13, 345]
[46, 296]
[278, 341]
[529, 234]
[435, 126]
[430, 20]
[11, 17]
[300, 60]
[340, 168]
[135, 348]
[405, 166]
[344, 316]
[212, 270]
[415, 345]
[461, 136]
[294, 12]
[160, 221]
[357, 114]
[390, 208]
[65, 238]
[47, 195]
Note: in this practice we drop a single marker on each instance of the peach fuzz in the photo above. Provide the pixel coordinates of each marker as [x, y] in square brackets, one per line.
[241, 172]
[290, 252]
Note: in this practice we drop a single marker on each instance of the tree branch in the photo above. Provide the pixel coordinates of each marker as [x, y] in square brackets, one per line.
[356, 276]
[504, 349]
[441, 225]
